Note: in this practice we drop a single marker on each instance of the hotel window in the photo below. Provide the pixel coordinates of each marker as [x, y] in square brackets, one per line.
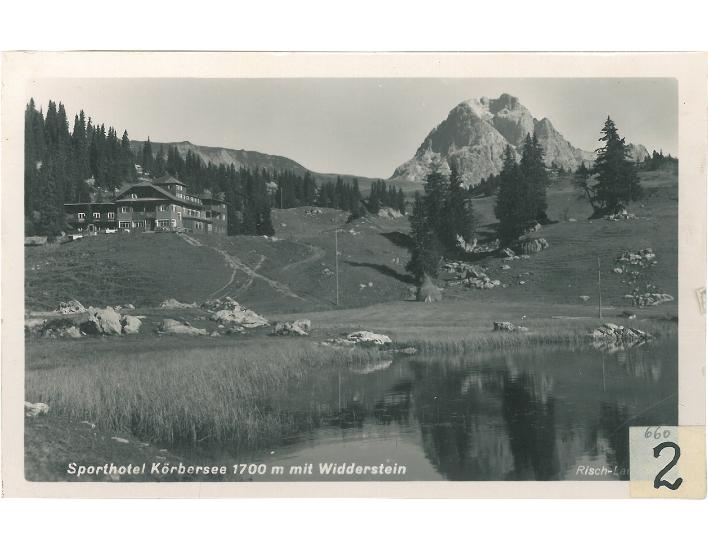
[162, 208]
[163, 223]
[173, 222]
[96, 215]
[133, 196]
[111, 215]
[82, 215]
[138, 224]
[124, 209]
[124, 225]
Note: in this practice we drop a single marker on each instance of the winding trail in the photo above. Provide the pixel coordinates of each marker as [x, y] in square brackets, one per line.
[237, 265]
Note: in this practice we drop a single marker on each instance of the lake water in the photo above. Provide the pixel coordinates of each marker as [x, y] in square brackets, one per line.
[536, 414]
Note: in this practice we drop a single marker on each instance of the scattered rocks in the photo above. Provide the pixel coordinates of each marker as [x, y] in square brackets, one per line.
[584, 298]
[35, 409]
[507, 326]
[300, 327]
[470, 275]
[622, 215]
[643, 257]
[171, 303]
[60, 328]
[648, 298]
[313, 211]
[390, 213]
[505, 267]
[119, 440]
[368, 337]
[72, 306]
[617, 334]
[170, 326]
[529, 246]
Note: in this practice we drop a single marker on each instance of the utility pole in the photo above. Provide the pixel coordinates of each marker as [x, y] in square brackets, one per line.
[281, 197]
[599, 289]
[336, 261]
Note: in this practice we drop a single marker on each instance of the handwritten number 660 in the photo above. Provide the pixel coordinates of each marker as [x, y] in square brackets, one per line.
[658, 481]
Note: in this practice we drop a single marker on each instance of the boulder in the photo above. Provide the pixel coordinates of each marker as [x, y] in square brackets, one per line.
[130, 324]
[504, 326]
[72, 306]
[388, 212]
[617, 335]
[60, 328]
[35, 409]
[532, 246]
[368, 337]
[300, 327]
[35, 241]
[171, 303]
[584, 298]
[102, 321]
[34, 326]
[170, 326]
[240, 316]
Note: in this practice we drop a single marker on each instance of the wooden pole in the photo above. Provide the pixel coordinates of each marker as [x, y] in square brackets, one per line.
[599, 289]
[336, 262]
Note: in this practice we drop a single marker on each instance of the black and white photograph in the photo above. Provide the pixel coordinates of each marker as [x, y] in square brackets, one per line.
[246, 281]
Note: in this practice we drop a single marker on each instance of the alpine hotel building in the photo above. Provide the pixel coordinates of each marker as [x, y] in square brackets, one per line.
[164, 204]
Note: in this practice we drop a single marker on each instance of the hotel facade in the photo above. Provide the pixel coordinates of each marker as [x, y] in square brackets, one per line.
[164, 204]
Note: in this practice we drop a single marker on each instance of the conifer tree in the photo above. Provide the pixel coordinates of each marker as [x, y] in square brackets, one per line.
[616, 181]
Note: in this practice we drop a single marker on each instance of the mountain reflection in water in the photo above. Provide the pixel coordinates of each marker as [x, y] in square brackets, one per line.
[532, 414]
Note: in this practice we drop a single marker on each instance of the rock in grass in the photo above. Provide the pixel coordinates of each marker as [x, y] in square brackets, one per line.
[507, 326]
[60, 328]
[300, 327]
[617, 334]
[102, 321]
[171, 303]
[72, 306]
[170, 326]
[584, 298]
[130, 324]
[368, 337]
[34, 326]
[35, 409]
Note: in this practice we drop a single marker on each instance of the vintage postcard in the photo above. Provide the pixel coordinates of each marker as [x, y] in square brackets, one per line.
[398, 275]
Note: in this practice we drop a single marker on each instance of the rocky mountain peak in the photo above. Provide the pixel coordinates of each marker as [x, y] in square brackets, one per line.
[477, 131]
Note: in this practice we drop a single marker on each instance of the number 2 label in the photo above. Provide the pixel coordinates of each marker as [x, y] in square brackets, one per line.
[658, 480]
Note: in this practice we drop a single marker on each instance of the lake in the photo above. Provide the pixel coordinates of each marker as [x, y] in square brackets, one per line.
[542, 413]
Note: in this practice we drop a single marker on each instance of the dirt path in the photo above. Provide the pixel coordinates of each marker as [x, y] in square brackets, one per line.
[316, 253]
[237, 265]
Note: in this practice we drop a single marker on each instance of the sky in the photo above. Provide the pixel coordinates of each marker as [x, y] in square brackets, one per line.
[363, 126]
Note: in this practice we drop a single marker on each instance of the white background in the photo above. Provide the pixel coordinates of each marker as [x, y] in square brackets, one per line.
[363, 25]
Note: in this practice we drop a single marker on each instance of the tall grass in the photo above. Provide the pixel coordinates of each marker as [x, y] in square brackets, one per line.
[188, 396]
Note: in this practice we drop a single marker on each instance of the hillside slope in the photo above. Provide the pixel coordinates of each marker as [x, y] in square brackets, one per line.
[295, 272]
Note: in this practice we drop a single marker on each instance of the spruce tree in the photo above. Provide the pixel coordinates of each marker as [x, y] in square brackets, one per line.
[510, 208]
[426, 250]
[617, 180]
